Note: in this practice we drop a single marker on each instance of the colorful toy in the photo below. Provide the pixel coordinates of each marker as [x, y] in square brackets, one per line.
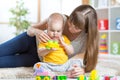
[103, 44]
[43, 78]
[52, 44]
[106, 77]
[115, 48]
[94, 75]
[118, 23]
[81, 77]
[60, 77]
[40, 71]
[114, 78]
[103, 24]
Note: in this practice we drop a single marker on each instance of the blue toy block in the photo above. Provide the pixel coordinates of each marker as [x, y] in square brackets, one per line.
[117, 23]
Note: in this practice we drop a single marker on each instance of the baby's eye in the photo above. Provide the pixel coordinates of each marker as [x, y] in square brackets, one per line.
[58, 31]
[52, 30]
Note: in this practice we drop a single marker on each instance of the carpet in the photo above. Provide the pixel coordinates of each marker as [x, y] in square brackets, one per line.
[107, 65]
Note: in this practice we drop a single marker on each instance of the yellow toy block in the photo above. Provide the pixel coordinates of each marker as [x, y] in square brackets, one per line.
[81, 77]
[43, 78]
[94, 75]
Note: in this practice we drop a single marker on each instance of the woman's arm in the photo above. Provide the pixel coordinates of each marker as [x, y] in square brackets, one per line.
[37, 30]
[33, 29]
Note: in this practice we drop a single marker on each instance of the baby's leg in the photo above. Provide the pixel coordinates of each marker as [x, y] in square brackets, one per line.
[43, 69]
[73, 62]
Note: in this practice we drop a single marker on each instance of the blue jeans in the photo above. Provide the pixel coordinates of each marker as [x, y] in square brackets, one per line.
[19, 51]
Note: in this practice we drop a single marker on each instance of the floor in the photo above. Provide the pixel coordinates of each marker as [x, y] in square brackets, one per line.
[107, 65]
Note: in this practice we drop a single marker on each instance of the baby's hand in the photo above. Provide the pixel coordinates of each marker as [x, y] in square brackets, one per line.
[61, 41]
[53, 49]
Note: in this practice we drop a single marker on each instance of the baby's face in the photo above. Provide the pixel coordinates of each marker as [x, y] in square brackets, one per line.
[55, 30]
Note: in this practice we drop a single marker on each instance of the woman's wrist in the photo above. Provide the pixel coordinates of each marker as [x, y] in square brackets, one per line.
[31, 31]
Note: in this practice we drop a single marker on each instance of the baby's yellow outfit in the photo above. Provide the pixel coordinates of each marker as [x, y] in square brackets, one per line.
[58, 56]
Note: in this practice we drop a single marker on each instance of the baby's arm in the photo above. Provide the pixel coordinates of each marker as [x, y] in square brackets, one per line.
[44, 51]
[68, 47]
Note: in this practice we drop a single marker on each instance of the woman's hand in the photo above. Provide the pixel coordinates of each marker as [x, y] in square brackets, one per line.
[75, 72]
[41, 36]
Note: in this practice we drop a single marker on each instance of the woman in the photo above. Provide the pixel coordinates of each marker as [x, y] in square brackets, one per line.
[80, 28]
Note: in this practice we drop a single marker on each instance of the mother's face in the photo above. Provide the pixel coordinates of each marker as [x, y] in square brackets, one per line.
[72, 28]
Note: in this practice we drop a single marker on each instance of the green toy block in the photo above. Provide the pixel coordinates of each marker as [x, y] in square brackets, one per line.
[115, 48]
[42, 78]
[62, 77]
[52, 44]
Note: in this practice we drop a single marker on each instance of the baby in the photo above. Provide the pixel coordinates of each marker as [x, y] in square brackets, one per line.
[56, 58]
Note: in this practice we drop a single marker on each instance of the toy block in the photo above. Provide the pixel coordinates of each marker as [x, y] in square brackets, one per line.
[107, 78]
[81, 77]
[114, 78]
[94, 75]
[103, 24]
[60, 77]
[103, 48]
[115, 48]
[43, 78]
[117, 23]
[52, 44]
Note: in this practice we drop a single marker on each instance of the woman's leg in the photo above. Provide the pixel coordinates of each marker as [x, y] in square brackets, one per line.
[25, 59]
[20, 51]
[16, 45]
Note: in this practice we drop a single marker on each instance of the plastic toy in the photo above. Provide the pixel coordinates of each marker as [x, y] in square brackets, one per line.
[52, 44]
[103, 24]
[106, 77]
[115, 48]
[43, 78]
[94, 75]
[103, 44]
[60, 77]
[81, 77]
[40, 71]
[44, 75]
[114, 78]
[118, 23]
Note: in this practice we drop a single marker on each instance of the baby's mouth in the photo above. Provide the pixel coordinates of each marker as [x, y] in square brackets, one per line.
[55, 37]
